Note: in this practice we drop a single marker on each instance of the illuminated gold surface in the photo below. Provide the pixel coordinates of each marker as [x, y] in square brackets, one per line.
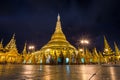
[10, 54]
[58, 44]
[58, 39]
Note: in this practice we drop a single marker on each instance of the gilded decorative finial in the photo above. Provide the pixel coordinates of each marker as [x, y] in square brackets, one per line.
[1, 41]
[58, 17]
[13, 35]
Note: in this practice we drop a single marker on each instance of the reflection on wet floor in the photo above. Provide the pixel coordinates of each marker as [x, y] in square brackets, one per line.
[59, 72]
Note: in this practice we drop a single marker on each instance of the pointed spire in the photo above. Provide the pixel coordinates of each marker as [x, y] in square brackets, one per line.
[13, 37]
[107, 48]
[117, 51]
[11, 44]
[95, 56]
[24, 52]
[1, 45]
[58, 25]
[101, 57]
[95, 53]
[58, 34]
[87, 53]
[58, 17]
[58, 39]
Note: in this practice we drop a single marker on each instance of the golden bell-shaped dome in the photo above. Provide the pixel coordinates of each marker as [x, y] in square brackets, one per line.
[58, 39]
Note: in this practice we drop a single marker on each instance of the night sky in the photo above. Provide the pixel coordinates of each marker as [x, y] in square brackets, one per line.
[34, 21]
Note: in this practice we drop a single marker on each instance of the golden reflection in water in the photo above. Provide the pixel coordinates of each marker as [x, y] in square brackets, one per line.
[84, 76]
[68, 69]
[2, 69]
[87, 72]
[47, 75]
[41, 68]
[113, 73]
[28, 71]
[8, 69]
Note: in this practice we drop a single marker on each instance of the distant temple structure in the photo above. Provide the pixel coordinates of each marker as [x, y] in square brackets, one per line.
[9, 54]
[58, 51]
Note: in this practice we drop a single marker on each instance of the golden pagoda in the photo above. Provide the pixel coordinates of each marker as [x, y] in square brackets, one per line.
[107, 48]
[58, 47]
[1, 46]
[12, 55]
[95, 56]
[2, 54]
[117, 53]
[24, 52]
[108, 52]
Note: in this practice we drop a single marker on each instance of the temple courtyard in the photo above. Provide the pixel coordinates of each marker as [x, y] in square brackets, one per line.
[59, 72]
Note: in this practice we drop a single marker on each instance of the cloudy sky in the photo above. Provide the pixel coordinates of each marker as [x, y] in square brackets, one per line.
[34, 21]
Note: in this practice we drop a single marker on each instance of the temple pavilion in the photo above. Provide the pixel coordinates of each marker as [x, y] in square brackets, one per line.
[58, 50]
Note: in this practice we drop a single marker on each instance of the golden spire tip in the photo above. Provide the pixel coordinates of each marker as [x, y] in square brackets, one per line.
[58, 17]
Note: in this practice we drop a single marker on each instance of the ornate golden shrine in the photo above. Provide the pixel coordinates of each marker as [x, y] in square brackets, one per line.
[10, 54]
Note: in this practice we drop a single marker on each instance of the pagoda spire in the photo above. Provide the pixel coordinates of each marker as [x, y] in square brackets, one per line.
[24, 52]
[12, 44]
[58, 24]
[117, 51]
[58, 17]
[95, 52]
[58, 33]
[1, 44]
[58, 39]
[107, 48]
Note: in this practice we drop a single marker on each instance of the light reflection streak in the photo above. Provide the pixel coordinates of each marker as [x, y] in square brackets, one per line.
[48, 73]
[28, 71]
[41, 68]
[84, 74]
[112, 73]
[68, 69]
[88, 72]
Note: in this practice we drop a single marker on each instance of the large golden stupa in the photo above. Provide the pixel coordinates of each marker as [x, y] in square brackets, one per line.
[58, 40]
[57, 46]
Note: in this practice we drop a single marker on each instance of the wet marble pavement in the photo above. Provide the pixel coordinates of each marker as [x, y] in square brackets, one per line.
[59, 72]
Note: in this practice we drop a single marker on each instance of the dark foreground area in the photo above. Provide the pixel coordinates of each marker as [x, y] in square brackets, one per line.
[59, 72]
